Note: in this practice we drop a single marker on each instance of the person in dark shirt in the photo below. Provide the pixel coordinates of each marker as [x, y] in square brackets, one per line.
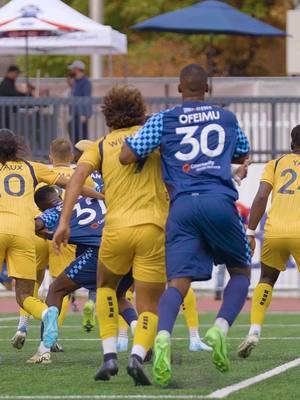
[80, 113]
[8, 89]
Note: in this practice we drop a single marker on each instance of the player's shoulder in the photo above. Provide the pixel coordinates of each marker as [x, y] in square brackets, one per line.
[226, 113]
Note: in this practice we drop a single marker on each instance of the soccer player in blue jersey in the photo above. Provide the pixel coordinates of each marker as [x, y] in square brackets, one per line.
[85, 231]
[198, 143]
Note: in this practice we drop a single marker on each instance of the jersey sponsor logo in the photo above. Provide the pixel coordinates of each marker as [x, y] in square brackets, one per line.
[199, 117]
[200, 167]
[186, 168]
[11, 168]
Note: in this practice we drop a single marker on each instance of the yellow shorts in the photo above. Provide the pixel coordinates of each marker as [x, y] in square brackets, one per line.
[276, 252]
[140, 247]
[42, 253]
[57, 263]
[19, 253]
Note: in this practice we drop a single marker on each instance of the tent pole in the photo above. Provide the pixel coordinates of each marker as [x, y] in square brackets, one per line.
[26, 59]
[210, 66]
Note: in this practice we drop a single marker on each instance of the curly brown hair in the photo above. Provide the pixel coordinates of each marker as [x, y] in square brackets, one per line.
[12, 147]
[124, 107]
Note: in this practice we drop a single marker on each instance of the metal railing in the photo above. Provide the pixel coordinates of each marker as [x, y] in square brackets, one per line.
[267, 121]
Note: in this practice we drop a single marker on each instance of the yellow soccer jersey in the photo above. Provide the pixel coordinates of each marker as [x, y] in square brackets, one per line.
[17, 183]
[284, 215]
[135, 193]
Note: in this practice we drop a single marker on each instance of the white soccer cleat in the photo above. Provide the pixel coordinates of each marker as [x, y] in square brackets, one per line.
[122, 344]
[198, 345]
[39, 358]
[19, 339]
[246, 347]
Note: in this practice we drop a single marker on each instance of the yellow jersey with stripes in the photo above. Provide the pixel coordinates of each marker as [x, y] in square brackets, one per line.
[134, 194]
[283, 174]
[18, 180]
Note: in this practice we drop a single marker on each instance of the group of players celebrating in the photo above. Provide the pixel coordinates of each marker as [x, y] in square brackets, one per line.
[149, 206]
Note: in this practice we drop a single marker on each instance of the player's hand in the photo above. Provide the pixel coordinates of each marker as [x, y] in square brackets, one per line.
[61, 236]
[242, 172]
[252, 244]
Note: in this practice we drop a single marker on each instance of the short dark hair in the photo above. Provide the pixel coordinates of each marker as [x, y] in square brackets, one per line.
[43, 195]
[61, 149]
[12, 147]
[13, 68]
[193, 78]
[295, 136]
[124, 107]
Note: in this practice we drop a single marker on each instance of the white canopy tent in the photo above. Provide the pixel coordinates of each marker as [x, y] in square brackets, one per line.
[52, 27]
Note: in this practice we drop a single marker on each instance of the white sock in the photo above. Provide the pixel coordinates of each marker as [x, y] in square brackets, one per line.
[165, 333]
[222, 324]
[255, 330]
[23, 321]
[109, 345]
[123, 333]
[133, 326]
[43, 349]
[194, 334]
[139, 351]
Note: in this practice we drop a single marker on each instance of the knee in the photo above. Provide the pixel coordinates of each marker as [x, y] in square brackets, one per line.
[182, 285]
[241, 271]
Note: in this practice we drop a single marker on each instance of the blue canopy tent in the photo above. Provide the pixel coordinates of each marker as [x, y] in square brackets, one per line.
[211, 17]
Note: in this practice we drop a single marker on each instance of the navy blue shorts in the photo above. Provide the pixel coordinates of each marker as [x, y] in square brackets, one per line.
[201, 230]
[83, 270]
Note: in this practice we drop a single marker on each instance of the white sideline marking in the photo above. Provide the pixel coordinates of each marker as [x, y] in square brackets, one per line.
[222, 393]
[9, 318]
[174, 338]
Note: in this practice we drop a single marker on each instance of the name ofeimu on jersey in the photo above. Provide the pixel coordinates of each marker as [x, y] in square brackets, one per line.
[199, 117]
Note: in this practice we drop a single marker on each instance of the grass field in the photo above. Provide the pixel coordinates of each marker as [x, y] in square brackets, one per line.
[71, 373]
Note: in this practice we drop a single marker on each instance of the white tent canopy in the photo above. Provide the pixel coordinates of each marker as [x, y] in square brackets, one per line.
[68, 31]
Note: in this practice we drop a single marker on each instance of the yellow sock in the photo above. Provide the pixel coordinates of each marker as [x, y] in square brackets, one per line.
[189, 310]
[34, 306]
[63, 311]
[129, 295]
[107, 312]
[261, 300]
[144, 334]
[24, 313]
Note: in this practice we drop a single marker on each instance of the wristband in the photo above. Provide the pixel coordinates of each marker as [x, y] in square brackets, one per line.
[250, 232]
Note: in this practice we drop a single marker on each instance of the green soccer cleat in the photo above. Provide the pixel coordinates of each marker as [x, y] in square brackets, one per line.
[89, 321]
[162, 360]
[215, 338]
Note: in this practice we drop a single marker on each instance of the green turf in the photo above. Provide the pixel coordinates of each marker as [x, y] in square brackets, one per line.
[71, 373]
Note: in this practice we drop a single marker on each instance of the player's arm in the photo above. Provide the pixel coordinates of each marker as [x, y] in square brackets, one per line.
[146, 140]
[85, 191]
[260, 202]
[240, 159]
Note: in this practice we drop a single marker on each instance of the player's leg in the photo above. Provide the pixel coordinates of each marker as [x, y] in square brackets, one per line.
[187, 257]
[190, 313]
[89, 317]
[220, 224]
[115, 261]
[220, 281]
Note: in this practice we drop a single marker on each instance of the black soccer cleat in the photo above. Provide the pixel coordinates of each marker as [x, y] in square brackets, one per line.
[57, 348]
[108, 369]
[136, 371]
[149, 356]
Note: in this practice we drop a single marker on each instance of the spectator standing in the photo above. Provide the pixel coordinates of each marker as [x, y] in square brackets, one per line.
[8, 89]
[80, 113]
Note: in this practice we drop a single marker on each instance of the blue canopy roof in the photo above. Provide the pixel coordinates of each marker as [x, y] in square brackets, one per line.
[209, 17]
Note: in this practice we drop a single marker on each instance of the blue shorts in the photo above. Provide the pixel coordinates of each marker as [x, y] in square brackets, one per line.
[83, 270]
[203, 229]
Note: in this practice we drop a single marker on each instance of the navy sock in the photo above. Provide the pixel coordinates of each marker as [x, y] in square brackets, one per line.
[42, 331]
[92, 295]
[168, 309]
[129, 315]
[110, 356]
[234, 298]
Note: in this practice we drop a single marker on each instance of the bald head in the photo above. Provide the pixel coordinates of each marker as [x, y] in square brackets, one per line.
[193, 82]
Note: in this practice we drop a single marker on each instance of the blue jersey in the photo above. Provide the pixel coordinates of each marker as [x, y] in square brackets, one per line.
[87, 221]
[197, 141]
[97, 178]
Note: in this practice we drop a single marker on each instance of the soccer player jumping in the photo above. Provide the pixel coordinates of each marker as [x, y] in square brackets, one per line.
[198, 142]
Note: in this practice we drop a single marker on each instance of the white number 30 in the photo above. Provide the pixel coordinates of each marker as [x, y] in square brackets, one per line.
[202, 146]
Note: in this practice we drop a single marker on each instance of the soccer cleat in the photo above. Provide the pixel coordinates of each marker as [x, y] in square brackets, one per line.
[50, 327]
[149, 356]
[107, 370]
[215, 338]
[88, 321]
[39, 358]
[135, 369]
[162, 360]
[122, 344]
[19, 338]
[246, 347]
[57, 348]
[198, 345]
